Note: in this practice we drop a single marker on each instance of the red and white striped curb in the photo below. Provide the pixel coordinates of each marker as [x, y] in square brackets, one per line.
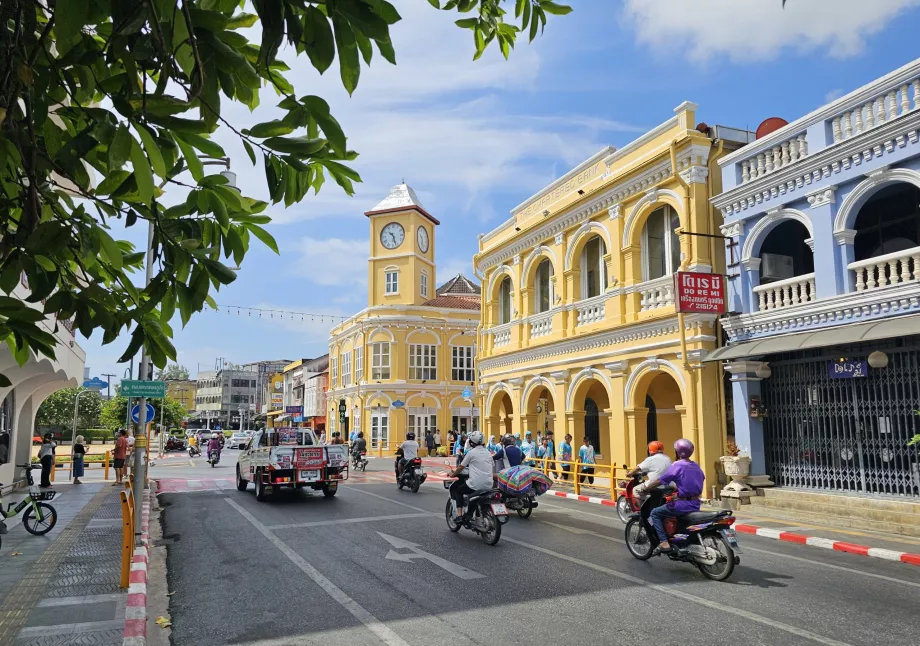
[136, 610]
[593, 499]
[830, 544]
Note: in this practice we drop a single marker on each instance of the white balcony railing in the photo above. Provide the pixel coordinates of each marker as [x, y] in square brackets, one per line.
[887, 106]
[541, 324]
[786, 293]
[775, 158]
[590, 310]
[887, 271]
[501, 334]
[657, 293]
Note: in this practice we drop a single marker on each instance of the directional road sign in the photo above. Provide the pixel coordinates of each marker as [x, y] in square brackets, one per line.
[95, 383]
[415, 553]
[133, 388]
[467, 393]
[136, 412]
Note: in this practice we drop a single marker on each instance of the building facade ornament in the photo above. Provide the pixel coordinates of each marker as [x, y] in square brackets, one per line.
[695, 175]
[845, 237]
[822, 197]
[732, 229]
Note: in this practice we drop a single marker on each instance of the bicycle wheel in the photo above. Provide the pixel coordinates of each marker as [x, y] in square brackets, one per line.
[43, 524]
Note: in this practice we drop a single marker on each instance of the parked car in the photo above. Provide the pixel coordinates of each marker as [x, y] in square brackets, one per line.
[238, 440]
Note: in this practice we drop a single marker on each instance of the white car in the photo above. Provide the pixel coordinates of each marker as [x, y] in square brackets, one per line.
[238, 440]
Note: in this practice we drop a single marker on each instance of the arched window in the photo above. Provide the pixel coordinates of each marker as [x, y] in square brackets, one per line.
[889, 222]
[660, 244]
[504, 301]
[543, 287]
[593, 268]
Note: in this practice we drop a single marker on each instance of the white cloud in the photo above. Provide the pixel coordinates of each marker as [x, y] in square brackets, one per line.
[333, 262]
[760, 29]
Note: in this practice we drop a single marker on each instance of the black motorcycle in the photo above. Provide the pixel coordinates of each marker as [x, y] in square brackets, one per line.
[213, 457]
[485, 514]
[412, 476]
[523, 504]
[705, 539]
[359, 460]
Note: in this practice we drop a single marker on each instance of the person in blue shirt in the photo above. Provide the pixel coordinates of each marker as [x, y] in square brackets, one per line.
[529, 447]
[550, 452]
[493, 446]
[565, 453]
[586, 457]
[508, 455]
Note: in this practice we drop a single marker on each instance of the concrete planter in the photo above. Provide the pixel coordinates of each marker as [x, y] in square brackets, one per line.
[737, 467]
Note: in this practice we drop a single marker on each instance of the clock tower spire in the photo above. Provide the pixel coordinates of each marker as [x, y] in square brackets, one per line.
[401, 268]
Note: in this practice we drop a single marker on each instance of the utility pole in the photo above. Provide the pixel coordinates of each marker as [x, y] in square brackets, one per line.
[140, 436]
[108, 389]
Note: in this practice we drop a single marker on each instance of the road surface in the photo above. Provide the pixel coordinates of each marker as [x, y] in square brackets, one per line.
[376, 565]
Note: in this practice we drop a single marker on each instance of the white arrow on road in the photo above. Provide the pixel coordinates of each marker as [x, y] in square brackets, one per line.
[457, 570]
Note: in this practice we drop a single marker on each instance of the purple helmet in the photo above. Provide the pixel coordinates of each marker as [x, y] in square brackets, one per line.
[683, 448]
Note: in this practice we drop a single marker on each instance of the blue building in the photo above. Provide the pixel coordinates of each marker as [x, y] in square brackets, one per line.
[822, 347]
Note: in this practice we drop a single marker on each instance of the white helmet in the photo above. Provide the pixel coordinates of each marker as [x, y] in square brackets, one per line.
[476, 438]
[213, 436]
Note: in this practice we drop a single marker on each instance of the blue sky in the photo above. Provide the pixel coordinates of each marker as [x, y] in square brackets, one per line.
[474, 139]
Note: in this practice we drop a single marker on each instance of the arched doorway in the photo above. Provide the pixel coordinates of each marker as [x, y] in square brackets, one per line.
[651, 420]
[592, 422]
[501, 411]
[538, 408]
[590, 397]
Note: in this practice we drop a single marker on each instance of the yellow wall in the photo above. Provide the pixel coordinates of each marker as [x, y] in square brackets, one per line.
[183, 392]
[407, 257]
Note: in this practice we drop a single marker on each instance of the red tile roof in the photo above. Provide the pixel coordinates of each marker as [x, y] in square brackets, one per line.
[454, 302]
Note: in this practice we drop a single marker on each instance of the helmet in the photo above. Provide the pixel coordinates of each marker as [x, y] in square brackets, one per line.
[476, 438]
[361, 434]
[508, 440]
[656, 447]
[410, 435]
[683, 448]
[213, 436]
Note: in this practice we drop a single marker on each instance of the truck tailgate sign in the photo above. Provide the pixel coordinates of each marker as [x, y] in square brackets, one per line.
[310, 458]
[699, 293]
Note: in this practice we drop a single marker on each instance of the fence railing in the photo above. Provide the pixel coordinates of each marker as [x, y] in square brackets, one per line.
[888, 270]
[67, 462]
[786, 293]
[581, 479]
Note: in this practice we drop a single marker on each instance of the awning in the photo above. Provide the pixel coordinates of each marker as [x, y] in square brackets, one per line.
[274, 413]
[853, 333]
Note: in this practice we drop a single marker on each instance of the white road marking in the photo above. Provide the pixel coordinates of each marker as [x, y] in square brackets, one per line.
[345, 521]
[457, 570]
[386, 634]
[833, 567]
[395, 502]
[801, 632]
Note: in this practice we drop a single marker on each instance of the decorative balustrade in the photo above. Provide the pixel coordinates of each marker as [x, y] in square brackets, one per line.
[541, 324]
[501, 337]
[775, 158]
[657, 293]
[887, 106]
[887, 271]
[590, 310]
[786, 293]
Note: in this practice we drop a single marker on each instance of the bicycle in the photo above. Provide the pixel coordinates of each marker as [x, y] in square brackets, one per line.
[41, 517]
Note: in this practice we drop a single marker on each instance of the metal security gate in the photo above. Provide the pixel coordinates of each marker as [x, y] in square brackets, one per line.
[845, 434]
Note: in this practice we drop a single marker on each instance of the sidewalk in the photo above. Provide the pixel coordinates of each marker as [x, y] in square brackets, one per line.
[63, 588]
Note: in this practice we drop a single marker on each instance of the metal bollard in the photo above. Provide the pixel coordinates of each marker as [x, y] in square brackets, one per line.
[127, 535]
[108, 459]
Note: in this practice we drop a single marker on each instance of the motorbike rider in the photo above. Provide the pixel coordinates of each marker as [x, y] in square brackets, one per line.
[214, 444]
[359, 446]
[477, 463]
[653, 466]
[408, 452]
[509, 455]
[688, 477]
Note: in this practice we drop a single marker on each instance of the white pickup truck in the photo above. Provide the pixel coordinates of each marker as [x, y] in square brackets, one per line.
[290, 457]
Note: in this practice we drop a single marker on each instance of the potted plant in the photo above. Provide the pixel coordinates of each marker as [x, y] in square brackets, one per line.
[736, 465]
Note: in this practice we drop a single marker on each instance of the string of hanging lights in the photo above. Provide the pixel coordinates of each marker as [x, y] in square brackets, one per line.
[261, 312]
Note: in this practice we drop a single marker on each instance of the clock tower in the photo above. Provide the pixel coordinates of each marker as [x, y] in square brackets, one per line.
[401, 267]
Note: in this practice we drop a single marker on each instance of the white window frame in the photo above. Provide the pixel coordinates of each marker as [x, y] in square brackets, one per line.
[601, 268]
[671, 239]
[380, 360]
[391, 280]
[359, 363]
[346, 368]
[421, 420]
[505, 309]
[423, 362]
[462, 364]
[423, 283]
[334, 371]
[538, 289]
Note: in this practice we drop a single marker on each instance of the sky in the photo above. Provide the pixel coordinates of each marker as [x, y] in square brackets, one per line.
[475, 139]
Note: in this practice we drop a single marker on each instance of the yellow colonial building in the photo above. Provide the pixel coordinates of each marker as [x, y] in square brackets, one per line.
[404, 362]
[183, 391]
[579, 329]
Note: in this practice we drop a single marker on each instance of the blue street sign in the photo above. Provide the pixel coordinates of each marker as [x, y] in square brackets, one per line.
[398, 404]
[95, 383]
[848, 369]
[136, 411]
[218, 428]
[467, 393]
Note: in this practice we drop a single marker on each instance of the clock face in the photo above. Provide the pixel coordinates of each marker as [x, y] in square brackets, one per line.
[392, 235]
[423, 239]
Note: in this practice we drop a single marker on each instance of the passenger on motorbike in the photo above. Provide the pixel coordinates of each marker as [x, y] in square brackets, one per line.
[508, 456]
[688, 477]
[214, 445]
[653, 466]
[477, 463]
[409, 450]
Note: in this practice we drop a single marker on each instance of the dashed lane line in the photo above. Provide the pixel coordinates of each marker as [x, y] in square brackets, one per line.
[346, 521]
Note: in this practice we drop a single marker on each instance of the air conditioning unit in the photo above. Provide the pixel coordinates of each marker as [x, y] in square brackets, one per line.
[775, 267]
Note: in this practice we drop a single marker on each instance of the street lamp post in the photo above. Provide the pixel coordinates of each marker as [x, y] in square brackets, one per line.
[88, 386]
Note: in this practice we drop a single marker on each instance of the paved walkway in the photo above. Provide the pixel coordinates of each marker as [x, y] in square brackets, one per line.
[62, 589]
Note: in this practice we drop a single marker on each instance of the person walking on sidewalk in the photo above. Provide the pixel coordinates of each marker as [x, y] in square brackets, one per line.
[586, 457]
[437, 440]
[565, 454]
[119, 455]
[46, 457]
[429, 443]
[79, 452]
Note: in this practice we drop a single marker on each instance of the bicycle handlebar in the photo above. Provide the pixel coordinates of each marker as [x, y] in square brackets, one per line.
[27, 466]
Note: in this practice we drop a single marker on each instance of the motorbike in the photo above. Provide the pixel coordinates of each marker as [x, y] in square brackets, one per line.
[174, 444]
[359, 461]
[523, 504]
[214, 457]
[627, 504]
[412, 476]
[705, 539]
[193, 451]
[484, 514]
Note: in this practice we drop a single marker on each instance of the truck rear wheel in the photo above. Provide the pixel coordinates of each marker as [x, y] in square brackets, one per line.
[241, 483]
[329, 490]
[261, 496]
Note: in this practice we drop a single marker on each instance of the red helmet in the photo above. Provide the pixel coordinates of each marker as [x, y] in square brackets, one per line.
[655, 447]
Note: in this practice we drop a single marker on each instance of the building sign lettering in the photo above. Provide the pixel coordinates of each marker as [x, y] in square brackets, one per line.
[699, 292]
[552, 196]
[848, 369]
